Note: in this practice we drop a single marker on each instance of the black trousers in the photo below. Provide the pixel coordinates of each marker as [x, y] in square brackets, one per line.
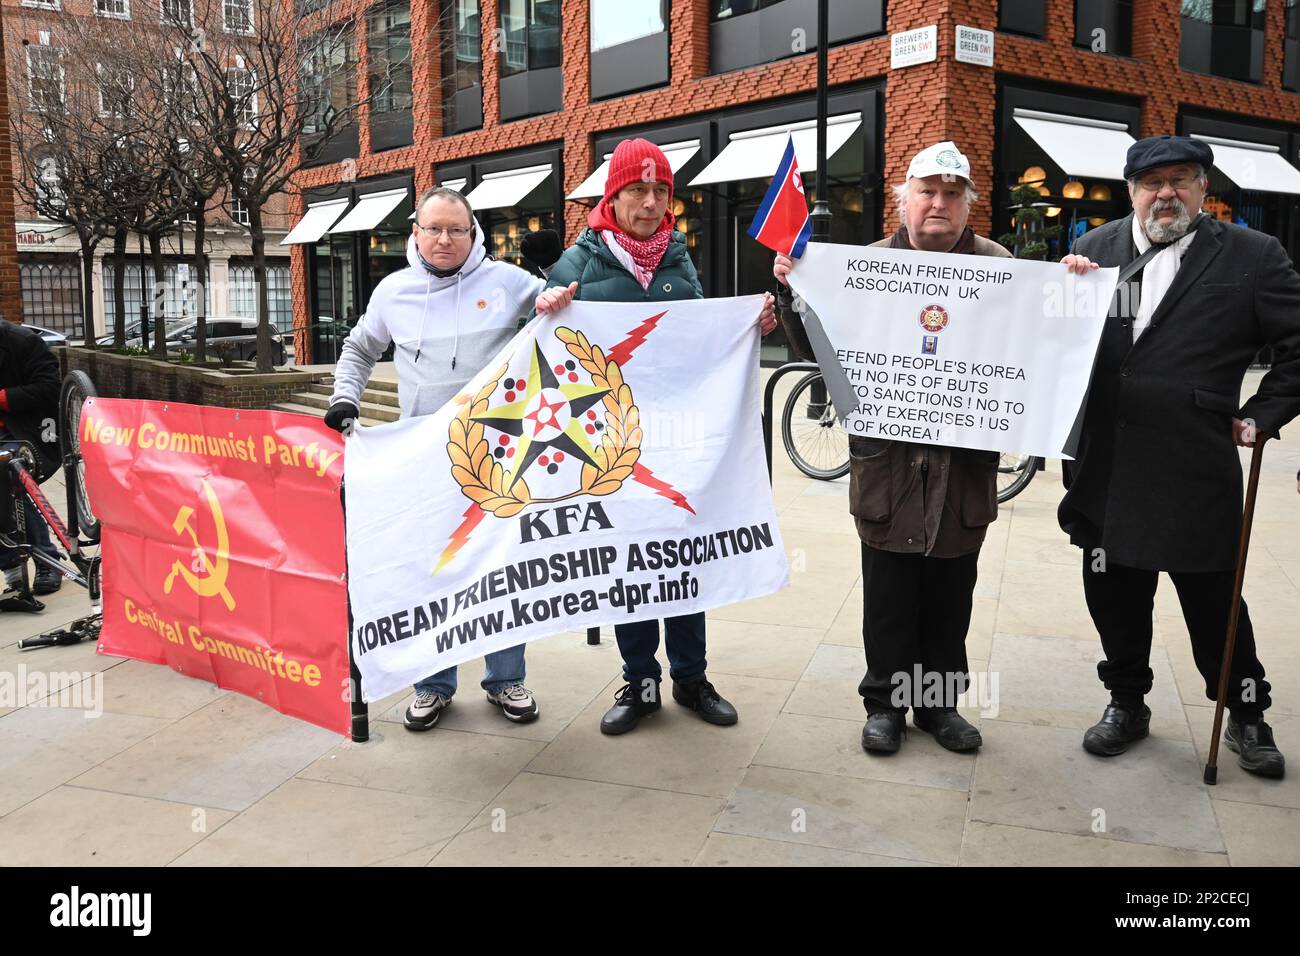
[915, 614]
[1121, 600]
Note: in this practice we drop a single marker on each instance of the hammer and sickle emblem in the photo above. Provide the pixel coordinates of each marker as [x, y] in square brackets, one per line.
[214, 582]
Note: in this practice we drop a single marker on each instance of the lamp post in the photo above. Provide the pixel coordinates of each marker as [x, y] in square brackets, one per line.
[821, 214]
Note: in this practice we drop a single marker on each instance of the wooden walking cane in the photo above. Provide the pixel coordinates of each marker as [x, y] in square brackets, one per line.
[1229, 645]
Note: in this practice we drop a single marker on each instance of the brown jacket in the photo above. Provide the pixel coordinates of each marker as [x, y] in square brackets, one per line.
[914, 498]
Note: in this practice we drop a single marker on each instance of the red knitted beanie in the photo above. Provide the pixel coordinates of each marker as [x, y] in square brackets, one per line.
[636, 161]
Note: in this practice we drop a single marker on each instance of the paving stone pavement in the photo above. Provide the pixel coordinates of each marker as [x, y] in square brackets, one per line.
[175, 771]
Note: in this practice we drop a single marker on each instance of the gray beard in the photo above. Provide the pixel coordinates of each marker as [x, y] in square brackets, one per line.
[1160, 233]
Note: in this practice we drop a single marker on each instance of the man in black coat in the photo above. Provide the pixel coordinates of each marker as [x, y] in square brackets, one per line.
[29, 406]
[1156, 482]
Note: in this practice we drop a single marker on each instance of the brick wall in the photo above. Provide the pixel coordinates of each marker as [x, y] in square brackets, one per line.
[11, 303]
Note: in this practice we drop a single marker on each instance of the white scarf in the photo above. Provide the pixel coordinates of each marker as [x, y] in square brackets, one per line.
[1157, 275]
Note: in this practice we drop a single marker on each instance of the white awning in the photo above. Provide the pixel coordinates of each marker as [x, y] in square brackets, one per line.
[1087, 148]
[593, 187]
[1257, 166]
[755, 153]
[456, 184]
[498, 190]
[370, 211]
[318, 217]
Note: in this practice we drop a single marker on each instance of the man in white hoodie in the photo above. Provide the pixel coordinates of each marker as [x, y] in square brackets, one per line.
[449, 312]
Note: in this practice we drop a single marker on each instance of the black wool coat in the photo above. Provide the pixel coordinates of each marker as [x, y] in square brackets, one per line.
[29, 377]
[1157, 481]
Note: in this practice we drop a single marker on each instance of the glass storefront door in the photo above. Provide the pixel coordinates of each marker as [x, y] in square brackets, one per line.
[334, 294]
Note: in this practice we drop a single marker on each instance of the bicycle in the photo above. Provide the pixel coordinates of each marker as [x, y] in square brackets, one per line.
[813, 437]
[19, 491]
[819, 446]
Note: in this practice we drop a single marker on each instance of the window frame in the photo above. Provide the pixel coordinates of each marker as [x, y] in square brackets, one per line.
[103, 112]
[164, 19]
[251, 121]
[251, 9]
[110, 15]
[57, 53]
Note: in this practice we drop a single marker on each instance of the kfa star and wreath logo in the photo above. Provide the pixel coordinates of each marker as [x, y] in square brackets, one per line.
[549, 422]
[934, 318]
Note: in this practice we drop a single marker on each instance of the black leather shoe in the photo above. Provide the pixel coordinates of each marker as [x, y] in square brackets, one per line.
[1117, 728]
[883, 731]
[700, 697]
[1253, 743]
[952, 730]
[47, 581]
[631, 704]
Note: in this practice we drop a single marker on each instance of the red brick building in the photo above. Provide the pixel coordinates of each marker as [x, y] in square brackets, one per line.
[517, 102]
[11, 302]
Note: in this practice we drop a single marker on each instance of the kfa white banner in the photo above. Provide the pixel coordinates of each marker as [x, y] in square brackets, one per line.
[606, 467]
[966, 351]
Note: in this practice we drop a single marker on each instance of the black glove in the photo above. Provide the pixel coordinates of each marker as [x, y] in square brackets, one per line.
[340, 414]
[542, 248]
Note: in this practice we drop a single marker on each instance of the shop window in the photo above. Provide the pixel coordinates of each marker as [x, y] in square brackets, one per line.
[748, 32]
[1027, 17]
[1104, 26]
[531, 82]
[1223, 38]
[242, 294]
[1291, 60]
[388, 48]
[629, 46]
[51, 288]
[180, 296]
[462, 66]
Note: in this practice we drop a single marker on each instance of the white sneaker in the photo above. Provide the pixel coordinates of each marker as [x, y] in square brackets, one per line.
[516, 702]
[425, 711]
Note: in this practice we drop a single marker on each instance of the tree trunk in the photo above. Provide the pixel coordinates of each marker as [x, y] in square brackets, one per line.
[87, 287]
[119, 287]
[201, 277]
[258, 238]
[159, 296]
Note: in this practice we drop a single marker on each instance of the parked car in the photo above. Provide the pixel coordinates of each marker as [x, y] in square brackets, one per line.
[233, 332]
[49, 335]
[133, 332]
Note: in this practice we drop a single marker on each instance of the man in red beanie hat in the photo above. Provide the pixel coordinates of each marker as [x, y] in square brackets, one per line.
[630, 253]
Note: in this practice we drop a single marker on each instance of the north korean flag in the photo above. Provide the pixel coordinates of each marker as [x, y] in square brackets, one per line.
[782, 222]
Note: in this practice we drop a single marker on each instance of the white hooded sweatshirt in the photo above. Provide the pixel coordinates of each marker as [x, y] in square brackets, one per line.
[445, 328]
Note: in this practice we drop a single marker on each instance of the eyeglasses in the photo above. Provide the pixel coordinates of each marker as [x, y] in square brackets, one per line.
[453, 232]
[1153, 184]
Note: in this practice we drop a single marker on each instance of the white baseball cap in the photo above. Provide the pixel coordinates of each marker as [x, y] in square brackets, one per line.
[941, 159]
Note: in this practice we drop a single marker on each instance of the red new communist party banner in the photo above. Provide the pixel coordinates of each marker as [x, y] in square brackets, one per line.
[223, 548]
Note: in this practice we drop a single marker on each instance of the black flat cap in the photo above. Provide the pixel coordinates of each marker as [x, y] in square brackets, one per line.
[1165, 151]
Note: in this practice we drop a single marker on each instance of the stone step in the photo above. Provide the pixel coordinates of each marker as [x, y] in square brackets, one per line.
[321, 403]
[317, 412]
[378, 396]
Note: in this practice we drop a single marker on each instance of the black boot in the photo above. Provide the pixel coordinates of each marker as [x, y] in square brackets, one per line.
[883, 731]
[1119, 726]
[47, 580]
[632, 702]
[700, 697]
[952, 730]
[1253, 743]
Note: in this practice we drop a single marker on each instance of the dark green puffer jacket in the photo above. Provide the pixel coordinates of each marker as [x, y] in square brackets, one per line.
[602, 278]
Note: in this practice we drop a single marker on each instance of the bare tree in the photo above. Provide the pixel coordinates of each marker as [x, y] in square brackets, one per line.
[273, 99]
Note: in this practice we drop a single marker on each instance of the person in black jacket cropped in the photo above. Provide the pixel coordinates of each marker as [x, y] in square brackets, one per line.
[29, 406]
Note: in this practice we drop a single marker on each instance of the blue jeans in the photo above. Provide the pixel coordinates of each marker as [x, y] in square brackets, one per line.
[503, 669]
[38, 532]
[683, 640]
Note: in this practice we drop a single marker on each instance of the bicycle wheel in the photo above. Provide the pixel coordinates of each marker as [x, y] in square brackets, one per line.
[1015, 472]
[77, 387]
[813, 438]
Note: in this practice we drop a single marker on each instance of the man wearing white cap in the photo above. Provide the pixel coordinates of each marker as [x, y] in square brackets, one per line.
[921, 510]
